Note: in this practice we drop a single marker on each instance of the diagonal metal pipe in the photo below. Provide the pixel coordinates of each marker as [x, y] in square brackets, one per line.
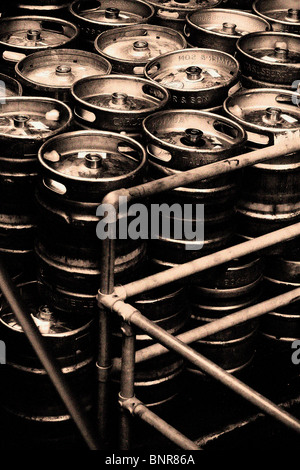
[134, 317]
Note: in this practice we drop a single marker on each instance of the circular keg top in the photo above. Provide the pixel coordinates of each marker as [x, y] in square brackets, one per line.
[33, 118]
[49, 321]
[60, 68]
[285, 12]
[122, 13]
[195, 130]
[271, 48]
[92, 155]
[193, 69]
[34, 32]
[226, 22]
[138, 43]
[270, 109]
[119, 93]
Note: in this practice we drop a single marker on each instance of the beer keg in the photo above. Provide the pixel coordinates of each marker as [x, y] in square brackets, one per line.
[196, 78]
[23, 35]
[28, 392]
[284, 15]
[95, 16]
[129, 48]
[116, 103]
[172, 13]
[269, 197]
[270, 56]
[220, 28]
[52, 72]
[9, 87]
[25, 123]
[282, 274]
[219, 292]
[178, 140]
[77, 170]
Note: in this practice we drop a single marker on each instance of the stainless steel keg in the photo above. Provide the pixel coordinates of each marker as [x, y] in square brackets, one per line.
[77, 170]
[196, 78]
[25, 123]
[21, 36]
[95, 16]
[116, 103]
[172, 13]
[270, 56]
[282, 274]
[28, 391]
[269, 197]
[220, 292]
[178, 140]
[284, 15]
[53, 72]
[129, 48]
[220, 28]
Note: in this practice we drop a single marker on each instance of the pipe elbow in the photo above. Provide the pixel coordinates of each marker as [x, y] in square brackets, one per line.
[113, 197]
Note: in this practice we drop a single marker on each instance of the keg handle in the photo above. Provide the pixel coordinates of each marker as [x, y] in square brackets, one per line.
[186, 31]
[165, 155]
[84, 114]
[55, 186]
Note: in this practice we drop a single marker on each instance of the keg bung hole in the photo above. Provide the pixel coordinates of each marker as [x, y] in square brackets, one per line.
[20, 121]
[112, 13]
[193, 138]
[229, 28]
[193, 72]
[293, 14]
[33, 34]
[119, 98]
[94, 160]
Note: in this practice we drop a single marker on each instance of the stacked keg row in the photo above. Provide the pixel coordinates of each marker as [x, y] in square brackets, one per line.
[115, 95]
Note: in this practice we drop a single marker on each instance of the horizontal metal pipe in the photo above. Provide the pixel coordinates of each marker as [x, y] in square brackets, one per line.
[221, 324]
[133, 316]
[46, 357]
[215, 259]
[286, 146]
[137, 408]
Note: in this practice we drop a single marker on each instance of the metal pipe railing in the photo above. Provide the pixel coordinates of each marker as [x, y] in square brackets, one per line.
[284, 147]
[46, 357]
[206, 262]
[216, 326]
[134, 317]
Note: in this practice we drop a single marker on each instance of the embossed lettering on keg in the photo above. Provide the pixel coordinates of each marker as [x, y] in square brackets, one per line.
[196, 78]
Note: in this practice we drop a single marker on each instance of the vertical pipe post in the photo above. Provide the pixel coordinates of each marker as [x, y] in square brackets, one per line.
[127, 383]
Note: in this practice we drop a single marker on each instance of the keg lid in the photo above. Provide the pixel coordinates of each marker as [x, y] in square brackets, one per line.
[116, 93]
[283, 11]
[270, 109]
[192, 130]
[193, 69]
[34, 32]
[91, 155]
[61, 67]
[138, 43]
[33, 118]
[272, 48]
[226, 22]
[117, 13]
